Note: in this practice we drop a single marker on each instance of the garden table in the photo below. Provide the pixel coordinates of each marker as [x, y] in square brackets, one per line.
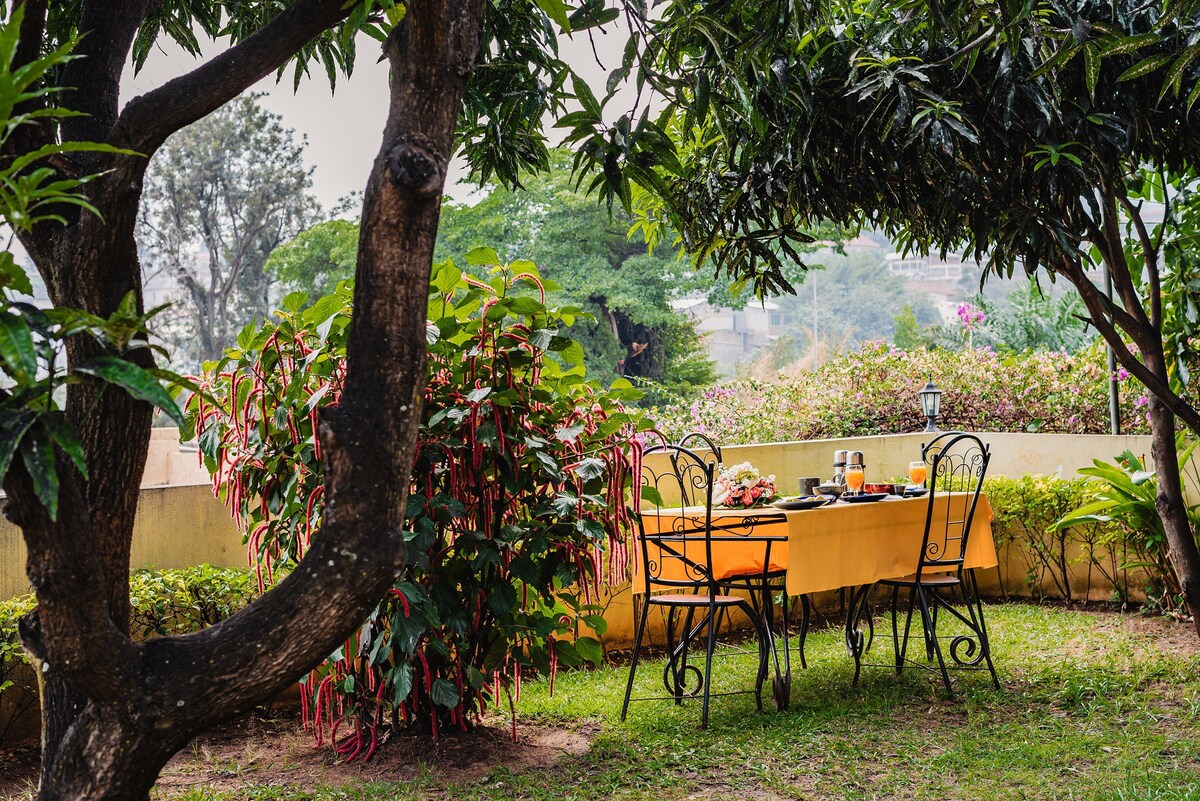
[840, 545]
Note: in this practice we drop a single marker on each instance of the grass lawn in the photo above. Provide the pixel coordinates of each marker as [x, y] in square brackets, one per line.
[1093, 706]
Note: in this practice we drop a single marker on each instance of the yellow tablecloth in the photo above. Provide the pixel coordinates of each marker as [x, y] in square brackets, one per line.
[839, 545]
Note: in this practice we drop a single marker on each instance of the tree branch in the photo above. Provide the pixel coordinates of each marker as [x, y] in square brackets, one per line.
[109, 28]
[1097, 305]
[148, 120]
[368, 445]
[1118, 267]
[1149, 258]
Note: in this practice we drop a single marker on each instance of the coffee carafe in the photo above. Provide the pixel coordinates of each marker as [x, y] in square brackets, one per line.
[839, 467]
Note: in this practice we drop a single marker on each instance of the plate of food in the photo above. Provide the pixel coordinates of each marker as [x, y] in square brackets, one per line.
[801, 502]
[914, 492]
[866, 497]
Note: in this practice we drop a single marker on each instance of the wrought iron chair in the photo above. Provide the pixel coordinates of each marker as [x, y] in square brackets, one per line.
[957, 463]
[675, 545]
[760, 588]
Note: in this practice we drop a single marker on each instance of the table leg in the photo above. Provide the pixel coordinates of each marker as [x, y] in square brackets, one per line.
[858, 618]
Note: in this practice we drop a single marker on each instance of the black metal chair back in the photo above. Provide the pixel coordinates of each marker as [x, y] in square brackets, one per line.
[675, 521]
[697, 439]
[956, 463]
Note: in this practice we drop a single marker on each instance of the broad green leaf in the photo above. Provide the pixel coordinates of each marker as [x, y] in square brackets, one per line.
[38, 454]
[557, 11]
[16, 348]
[483, 256]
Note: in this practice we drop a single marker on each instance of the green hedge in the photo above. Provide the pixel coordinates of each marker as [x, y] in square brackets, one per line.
[163, 602]
[1027, 508]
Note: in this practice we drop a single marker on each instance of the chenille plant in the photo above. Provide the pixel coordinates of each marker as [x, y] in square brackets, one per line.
[516, 508]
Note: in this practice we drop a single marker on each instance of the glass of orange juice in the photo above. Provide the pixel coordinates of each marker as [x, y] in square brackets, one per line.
[854, 478]
[917, 473]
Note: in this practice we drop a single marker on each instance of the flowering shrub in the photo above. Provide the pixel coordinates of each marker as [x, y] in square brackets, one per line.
[742, 485]
[874, 391]
[970, 315]
[518, 486]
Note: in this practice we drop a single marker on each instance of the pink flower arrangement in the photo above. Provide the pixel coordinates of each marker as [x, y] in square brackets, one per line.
[743, 486]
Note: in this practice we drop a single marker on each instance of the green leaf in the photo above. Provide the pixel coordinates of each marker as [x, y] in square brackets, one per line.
[13, 425]
[1128, 44]
[590, 650]
[652, 496]
[133, 379]
[483, 257]
[38, 454]
[63, 436]
[16, 348]
[1144, 67]
[1091, 68]
[557, 11]
[402, 680]
[444, 693]
[583, 93]
[590, 468]
[12, 276]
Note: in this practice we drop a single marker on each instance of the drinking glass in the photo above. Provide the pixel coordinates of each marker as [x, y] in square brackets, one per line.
[854, 478]
[917, 473]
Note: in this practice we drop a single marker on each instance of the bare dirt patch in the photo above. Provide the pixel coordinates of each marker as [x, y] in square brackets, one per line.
[278, 752]
[257, 752]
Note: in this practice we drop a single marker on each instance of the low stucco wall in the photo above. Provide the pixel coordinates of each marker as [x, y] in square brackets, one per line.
[180, 523]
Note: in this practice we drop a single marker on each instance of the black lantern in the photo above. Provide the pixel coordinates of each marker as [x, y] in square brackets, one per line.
[931, 403]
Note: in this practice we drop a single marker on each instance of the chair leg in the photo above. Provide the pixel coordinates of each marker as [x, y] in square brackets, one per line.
[976, 605]
[931, 640]
[896, 628]
[912, 605]
[708, 656]
[637, 649]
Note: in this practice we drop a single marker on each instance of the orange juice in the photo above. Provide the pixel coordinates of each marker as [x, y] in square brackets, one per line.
[917, 473]
[854, 478]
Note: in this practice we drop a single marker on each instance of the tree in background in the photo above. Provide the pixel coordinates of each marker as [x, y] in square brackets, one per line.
[220, 195]
[316, 259]
[580, 247]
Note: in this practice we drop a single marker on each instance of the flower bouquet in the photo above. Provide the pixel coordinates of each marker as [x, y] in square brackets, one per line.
[742, 487]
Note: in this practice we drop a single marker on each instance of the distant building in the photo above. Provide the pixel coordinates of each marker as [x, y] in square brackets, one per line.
[925, 269]
[732, 336]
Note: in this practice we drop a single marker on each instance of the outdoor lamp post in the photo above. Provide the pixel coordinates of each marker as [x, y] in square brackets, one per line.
[931, 403]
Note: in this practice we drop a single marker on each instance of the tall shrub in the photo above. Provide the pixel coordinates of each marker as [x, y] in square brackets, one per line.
[518, 488]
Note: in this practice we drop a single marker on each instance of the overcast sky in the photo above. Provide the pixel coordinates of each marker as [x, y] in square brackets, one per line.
[344, 127]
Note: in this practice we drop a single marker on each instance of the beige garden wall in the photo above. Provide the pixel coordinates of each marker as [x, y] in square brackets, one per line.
[180, 523]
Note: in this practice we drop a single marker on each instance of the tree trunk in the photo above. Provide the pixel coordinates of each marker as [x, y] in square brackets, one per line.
[1171, 508]
[115, 710]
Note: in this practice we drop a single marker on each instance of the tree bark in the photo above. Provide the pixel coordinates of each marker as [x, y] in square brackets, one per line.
[114, 710]
[1172, 510]
[1151, 370]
